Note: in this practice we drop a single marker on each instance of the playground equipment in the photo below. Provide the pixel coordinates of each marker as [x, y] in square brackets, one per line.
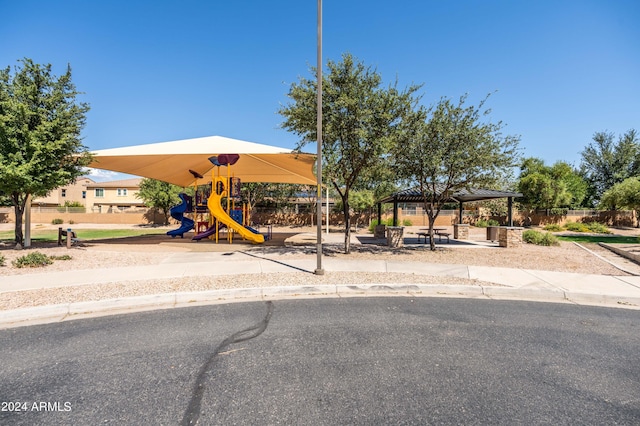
[210, 231]
[215, 207]
[229, 218]
[177, 212]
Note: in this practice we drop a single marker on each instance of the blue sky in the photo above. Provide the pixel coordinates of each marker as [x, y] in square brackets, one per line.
[156, 71]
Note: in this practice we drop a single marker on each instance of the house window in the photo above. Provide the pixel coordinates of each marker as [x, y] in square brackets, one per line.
[84, 194]
[122, 192]
[63, 193]
[99, 192]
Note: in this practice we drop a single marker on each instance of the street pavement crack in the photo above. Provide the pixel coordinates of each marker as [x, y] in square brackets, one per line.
[277, 261]
[192, 414]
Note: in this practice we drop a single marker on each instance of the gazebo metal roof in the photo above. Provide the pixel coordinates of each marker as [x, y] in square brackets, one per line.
[413, 195]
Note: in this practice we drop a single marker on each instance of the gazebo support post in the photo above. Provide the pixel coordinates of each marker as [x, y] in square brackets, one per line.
[379, 213]
[395, 211]
[460, 210]
[510, 210]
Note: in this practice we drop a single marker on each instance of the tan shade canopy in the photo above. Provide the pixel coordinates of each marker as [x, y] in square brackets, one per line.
[173, 161]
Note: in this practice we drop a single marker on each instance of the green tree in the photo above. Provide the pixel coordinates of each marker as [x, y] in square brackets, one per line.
[360, 119]
[606, 162]
[159, 195]
[449, 147]
[545, 187]
[40, 125]
[254, 193]
[362, 202]
[623, 195]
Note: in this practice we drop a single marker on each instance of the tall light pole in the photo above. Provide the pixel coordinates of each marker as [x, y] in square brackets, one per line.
[319, 270]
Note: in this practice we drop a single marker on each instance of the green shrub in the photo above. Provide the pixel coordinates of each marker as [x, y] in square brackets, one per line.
[2, 260]
[548, 239]
[32, 260]
[598, 228]
[594, 227]
[388, 222]
[552, 227]
[539, 238]
[57, 222]
[559, 211]
[63, 257]
[483, 223]
[373, 225]
[576, 227]
[531, 236]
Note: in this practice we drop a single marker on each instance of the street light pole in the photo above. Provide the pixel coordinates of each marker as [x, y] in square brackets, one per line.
[319, 270]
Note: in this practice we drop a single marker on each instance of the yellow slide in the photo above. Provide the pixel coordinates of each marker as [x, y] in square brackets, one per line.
[218, 212]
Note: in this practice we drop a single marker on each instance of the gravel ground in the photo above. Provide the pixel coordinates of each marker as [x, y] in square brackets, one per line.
[567, 257]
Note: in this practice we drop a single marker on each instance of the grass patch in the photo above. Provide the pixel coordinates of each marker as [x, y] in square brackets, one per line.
[51, 235]
[608, 239]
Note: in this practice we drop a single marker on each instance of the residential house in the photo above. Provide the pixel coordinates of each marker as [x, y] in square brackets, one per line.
[114, 196]
[75, 192]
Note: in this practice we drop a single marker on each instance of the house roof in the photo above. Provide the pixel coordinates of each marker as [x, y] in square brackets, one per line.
[413, 195]
[123, 183]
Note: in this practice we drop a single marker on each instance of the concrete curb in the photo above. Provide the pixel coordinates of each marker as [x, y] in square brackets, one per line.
[632, 257]
[81, 310]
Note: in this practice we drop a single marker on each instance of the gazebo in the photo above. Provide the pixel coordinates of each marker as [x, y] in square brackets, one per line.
[414, 195]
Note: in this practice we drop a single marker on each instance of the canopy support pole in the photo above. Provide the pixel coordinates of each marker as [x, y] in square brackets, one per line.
[319, 270]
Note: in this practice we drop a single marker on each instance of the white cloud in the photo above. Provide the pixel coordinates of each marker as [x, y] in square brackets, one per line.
[99, 175]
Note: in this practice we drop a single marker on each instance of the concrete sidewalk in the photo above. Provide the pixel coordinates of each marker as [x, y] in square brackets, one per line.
[504, 283]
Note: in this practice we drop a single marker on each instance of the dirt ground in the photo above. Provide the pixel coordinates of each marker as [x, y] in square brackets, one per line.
[153, 249]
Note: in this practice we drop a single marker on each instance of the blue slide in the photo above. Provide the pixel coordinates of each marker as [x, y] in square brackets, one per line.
[177, 212]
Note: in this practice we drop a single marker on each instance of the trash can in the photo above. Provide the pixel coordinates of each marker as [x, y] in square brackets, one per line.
[492, 233]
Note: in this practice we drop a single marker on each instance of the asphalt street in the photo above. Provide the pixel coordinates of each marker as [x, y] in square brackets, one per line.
[329, 361]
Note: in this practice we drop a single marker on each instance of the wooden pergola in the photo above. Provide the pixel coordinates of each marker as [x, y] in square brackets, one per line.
[414, 195]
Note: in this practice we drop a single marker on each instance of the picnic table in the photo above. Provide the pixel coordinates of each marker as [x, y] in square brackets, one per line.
[440, 232]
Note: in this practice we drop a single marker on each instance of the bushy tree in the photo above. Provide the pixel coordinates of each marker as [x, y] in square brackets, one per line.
[450, 147]
[545, 187]
[40, 125]
[623, 195]
[159, 195]
[360, 121]
[606, 162]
